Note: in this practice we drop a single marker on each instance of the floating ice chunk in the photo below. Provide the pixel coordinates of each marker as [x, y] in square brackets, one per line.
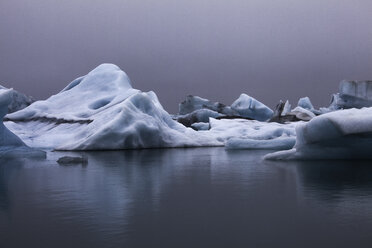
[251, 134]
[355, 94]
[305, 103]
[193, 103]
[352, 94]
[249, 107]
[286, 109]
[279, 143]
[303, 114]
[68, 160]
[200, 126]
[334, 104]
[343, 134]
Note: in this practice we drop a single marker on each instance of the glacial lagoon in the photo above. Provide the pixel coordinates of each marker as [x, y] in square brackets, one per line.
[202, 197]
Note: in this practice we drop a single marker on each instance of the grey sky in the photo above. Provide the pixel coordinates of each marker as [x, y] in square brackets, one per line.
[270, 49]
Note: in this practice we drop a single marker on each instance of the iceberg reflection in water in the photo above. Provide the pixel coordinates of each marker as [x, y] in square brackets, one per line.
[206, 197]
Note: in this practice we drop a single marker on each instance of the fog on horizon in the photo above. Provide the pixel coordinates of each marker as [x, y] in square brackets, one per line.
[269, 49]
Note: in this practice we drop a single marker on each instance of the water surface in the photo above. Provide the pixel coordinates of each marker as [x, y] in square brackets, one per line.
[206, 197]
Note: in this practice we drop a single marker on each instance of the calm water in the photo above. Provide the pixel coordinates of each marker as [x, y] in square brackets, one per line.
[204, 197]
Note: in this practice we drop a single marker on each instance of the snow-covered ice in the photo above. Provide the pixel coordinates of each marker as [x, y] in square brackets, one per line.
[251, 134]
[302, 114]
[247, 106]
[102, 111]
[343, 134]
[286, 109]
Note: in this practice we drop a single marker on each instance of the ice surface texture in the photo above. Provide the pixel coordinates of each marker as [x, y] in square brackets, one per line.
[343, 134]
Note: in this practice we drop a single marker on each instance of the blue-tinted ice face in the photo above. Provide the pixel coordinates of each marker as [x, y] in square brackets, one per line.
[5, 99]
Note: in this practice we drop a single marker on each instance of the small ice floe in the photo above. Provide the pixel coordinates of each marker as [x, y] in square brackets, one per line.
[69, 160]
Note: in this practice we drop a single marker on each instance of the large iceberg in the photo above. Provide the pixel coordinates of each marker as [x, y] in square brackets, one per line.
[355, 94]
[10, 144]
[352, 94]
[102, 111]
[343, 134]
[247, 106]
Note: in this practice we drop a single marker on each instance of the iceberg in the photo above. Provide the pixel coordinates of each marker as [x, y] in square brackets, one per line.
[10, 144]
[343, 134]
[200, 126]
[355, 94]
[352, 94]
[282, 113]
[286, 109]
[101, 111]
[200, 115]
[247, 106]
[252, 134]
[193, 103]
[18, 101]
[305, 103]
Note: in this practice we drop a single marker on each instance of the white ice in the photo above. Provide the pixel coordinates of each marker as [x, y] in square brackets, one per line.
[200, 126]
[343, 134]
[286, 108]
[251, 134]
[102, 111]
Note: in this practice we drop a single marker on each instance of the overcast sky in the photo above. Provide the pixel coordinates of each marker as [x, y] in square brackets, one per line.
[269, 49]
